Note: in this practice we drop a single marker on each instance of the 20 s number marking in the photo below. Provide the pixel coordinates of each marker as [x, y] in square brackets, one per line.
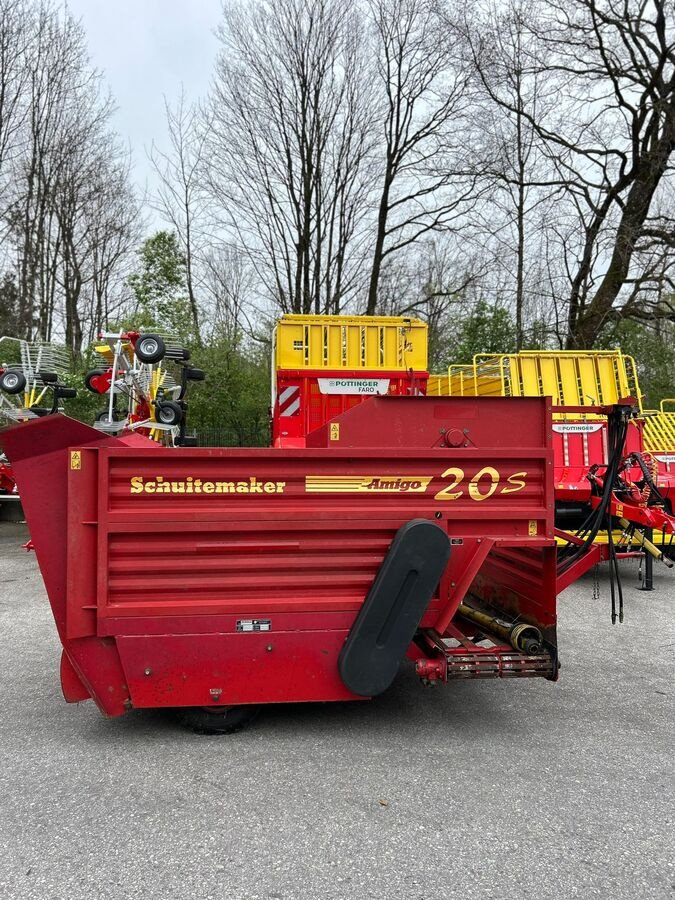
[486, 482]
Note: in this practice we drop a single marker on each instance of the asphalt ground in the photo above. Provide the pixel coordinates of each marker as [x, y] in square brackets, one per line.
[509, 790]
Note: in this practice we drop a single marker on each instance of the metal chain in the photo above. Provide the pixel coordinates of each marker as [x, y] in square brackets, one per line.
[596, 582]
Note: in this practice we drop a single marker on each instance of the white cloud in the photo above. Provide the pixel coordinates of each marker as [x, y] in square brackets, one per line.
[146, 50]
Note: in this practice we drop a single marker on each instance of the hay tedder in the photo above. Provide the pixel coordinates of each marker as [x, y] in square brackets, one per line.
[212, 581]
[133, 374]
[30, 387]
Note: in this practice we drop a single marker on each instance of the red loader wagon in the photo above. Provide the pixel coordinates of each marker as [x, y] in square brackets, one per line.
[215, 580]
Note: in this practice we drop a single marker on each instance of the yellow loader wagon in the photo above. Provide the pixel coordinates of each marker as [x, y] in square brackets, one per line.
[659, 441]
[575, 379]
[325, 365]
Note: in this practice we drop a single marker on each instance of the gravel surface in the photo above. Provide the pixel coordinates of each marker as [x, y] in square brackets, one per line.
[505, 790]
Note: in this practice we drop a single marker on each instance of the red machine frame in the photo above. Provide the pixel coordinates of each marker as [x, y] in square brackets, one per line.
[300, 407]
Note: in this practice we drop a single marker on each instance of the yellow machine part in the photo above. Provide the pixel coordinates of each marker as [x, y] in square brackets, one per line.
[625, 542]
[106, 351]
[373, 343]
[659, 429]
[570, 377]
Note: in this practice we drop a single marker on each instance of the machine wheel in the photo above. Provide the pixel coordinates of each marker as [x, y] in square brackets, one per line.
[104, 416]
[64, 392]
[195, 374]
[216, 719]
[89, 377]
[169, 412]
[48, 377]
[40, 411]
[12, 382]
[150, 348]
[178, 353]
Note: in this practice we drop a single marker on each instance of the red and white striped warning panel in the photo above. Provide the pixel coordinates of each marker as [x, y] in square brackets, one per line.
[289, 401]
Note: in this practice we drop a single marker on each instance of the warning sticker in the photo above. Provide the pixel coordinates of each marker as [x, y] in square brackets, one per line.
[335, 431]
[75, 459]
[254, 625]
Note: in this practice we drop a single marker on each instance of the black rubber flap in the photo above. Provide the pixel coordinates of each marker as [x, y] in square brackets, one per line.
[395, 604]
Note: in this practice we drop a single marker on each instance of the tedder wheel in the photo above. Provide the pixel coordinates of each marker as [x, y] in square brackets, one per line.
[39, 411]
[48, 377]
[89, 377]
[169, 412]
[12, 382]
[64, 392]
[216, 720]
[150, 348]
[104, 416]
[178, 353]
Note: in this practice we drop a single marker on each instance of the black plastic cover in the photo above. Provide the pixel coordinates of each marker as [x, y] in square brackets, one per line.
[395, 604]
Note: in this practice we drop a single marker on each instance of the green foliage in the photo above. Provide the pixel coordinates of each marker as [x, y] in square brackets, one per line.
[160, 288]
[236, 396]
[486, 329]
[654, 354]
[85, 406]
[9, 306]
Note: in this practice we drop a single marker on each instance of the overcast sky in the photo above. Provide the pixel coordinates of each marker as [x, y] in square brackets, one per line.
[146, 49]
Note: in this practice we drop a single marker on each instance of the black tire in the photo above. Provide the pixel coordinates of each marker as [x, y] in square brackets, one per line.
[65, 393]
[150, 348]
[12, 382]
[178, 353]
[89, 377]
[48, 377]
[104, 416]
[40, 411]
[216, 720]
[195, 375]
[169, 412]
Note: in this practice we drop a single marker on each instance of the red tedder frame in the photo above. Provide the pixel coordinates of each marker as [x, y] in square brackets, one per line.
[197, 577]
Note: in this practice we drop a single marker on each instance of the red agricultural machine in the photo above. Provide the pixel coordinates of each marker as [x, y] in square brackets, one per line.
[212, 581]
[659, 443]
[299, 574]
[583, 385]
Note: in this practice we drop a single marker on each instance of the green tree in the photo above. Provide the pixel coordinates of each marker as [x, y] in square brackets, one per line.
[486, 329]
[9, 306]
[160, 289]
[653, 351]
[235, 403]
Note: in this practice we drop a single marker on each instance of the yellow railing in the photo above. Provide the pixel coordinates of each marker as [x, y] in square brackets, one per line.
[659, 432]
[569, 377]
